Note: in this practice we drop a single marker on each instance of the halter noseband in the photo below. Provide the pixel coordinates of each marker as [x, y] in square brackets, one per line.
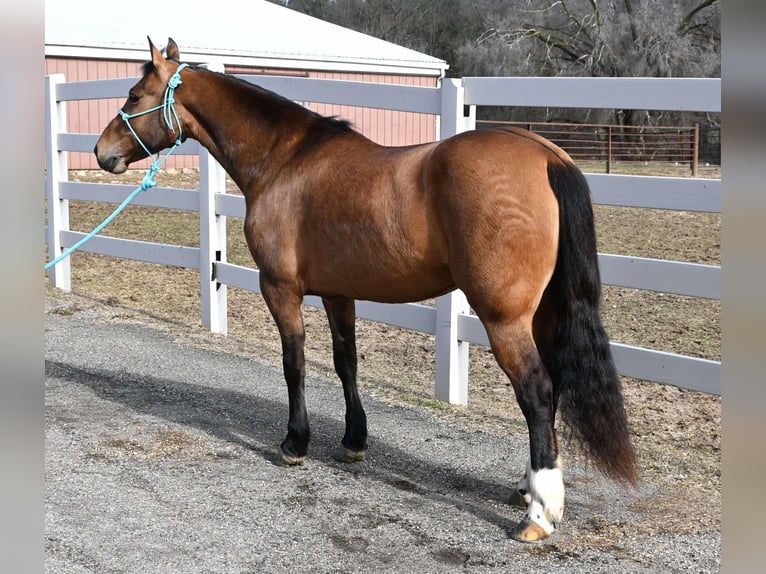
[169, 115]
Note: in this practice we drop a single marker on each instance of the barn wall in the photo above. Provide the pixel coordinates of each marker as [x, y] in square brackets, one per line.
[383, 126]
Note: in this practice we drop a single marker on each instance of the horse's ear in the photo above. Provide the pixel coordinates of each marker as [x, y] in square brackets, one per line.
[157, 58]
[172, 52]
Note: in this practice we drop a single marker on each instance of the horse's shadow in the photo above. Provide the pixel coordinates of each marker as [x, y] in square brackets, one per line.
[258, 423]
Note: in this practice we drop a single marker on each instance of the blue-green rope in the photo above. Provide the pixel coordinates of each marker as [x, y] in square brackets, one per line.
[170, 115]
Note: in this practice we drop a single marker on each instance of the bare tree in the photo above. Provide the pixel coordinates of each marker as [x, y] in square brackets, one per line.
[610, 37]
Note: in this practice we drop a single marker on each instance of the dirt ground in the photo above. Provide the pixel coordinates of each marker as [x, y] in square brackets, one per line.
[677, 433]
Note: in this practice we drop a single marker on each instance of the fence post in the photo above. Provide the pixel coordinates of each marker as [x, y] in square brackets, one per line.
[695, 149]
[451, 353]
[212, 238]
[212, 243]
[56, 171]
[609, 149]
[455, 116]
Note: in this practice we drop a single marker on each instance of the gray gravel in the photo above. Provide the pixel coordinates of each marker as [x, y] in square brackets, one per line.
[160, 458]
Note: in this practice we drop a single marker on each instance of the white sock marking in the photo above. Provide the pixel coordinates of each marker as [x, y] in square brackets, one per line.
[547, 491]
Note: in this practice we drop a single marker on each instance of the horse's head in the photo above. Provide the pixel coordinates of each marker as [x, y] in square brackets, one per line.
[148, 122]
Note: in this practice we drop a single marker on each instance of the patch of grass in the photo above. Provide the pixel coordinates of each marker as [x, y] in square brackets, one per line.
[431, 404]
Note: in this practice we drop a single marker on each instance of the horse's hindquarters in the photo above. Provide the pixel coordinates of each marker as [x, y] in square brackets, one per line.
[500, 219]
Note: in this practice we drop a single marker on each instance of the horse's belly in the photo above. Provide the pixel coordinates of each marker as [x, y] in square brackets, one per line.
[381, 284]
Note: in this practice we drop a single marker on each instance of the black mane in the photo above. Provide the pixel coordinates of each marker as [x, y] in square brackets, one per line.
[327, 121]
[344, 125]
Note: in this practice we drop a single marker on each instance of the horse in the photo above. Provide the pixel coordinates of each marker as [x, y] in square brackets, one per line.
[502, 214]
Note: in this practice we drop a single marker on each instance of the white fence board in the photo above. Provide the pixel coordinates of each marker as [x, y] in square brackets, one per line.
[413, 316]
[679, 94]
[238, 276]
[367, 94]
[162, 253]
[231, 205]
[679, 193]
[345, 92]
[95, 89]
[164, 197]
[668, 368]
[678, 370]
[691, 279]
[77, 142]
[471, 330]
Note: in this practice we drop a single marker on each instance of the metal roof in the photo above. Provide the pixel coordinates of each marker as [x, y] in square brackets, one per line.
[233, 32]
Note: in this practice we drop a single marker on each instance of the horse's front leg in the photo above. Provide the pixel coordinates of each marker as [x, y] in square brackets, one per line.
[284, 302]
[341, 315]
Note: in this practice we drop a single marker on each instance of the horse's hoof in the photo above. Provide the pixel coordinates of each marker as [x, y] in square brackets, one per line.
[288, 460]
[344, 454]
[518, 499]
[529, 532]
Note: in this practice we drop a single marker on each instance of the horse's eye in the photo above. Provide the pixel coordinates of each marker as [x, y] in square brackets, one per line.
[132, 98]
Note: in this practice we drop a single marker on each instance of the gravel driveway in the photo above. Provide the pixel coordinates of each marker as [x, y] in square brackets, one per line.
[160, 458]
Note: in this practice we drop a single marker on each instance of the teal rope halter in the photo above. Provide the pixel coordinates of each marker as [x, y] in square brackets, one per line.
[170, 116]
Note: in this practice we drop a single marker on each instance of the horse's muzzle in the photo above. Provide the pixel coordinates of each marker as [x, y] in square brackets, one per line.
[109, 162]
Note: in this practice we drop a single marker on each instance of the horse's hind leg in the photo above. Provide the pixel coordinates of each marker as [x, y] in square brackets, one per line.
[341, 315]
[285, 306]
[542, 327]
[543, 484]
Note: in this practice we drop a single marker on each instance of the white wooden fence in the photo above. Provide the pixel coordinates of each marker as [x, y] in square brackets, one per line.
[450, 321]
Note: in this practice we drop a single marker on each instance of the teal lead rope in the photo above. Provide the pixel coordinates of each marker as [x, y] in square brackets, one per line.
[170, 116]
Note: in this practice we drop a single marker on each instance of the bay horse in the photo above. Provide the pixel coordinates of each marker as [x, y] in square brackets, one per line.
[502, 214]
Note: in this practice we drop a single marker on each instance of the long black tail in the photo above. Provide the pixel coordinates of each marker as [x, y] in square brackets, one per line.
[583, 371]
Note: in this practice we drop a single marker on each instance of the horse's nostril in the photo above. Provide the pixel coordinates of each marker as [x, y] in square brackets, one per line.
[108, 163]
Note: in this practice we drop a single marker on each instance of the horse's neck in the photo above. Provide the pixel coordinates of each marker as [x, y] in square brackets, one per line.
[238, 125]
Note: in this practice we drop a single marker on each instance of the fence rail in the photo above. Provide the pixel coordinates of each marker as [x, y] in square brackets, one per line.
[454, 105]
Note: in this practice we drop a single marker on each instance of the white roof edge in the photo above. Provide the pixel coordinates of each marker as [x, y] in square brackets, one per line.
[330, 63]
